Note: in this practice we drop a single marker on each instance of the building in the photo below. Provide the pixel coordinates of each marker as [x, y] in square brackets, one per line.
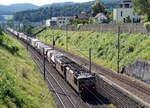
[58, 21]
[83, 16]
[47, 22]
[100, 18]
[125, 14]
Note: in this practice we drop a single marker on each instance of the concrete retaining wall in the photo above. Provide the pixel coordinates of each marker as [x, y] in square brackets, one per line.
[139, 69]
[117, 95]
[131, 28]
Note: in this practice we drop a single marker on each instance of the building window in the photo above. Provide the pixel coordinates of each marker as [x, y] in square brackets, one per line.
[121, 13]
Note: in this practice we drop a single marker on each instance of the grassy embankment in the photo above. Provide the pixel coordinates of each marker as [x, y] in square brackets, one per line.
[104, 46]
[21, 84]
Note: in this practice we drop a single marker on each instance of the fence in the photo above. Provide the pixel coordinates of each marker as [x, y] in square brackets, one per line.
[131, 28]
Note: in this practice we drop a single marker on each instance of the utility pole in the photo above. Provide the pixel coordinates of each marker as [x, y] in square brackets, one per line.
[90, 60]
[27, 44]
[53, 42]
[23, 27]
[118, 47]
[19, 28]
[66, 38]
[44, 63]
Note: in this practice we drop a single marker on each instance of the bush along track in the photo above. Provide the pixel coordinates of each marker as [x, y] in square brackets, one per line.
[104, 45]
[21, 84]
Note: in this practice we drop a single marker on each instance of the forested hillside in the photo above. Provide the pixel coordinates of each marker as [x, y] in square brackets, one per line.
[11, 9]
[2, 18]
[61, 10]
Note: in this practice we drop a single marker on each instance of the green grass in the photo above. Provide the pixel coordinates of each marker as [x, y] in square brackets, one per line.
[21, 84]
[8, 17]
[104, 46]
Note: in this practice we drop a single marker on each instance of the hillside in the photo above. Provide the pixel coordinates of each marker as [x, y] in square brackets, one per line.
[58, 4]
[11, 9]
[104, 46]
[61, 9]
[21, 84]
[2, 18]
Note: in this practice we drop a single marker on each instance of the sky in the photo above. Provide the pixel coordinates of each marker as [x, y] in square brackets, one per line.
[38, 2]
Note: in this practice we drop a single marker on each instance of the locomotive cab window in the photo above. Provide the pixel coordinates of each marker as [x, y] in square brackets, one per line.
[88, 81]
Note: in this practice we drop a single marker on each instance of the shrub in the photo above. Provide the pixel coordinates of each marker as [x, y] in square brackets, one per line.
[1, 36]
[144, 19]
[13, 49]
[131, 49]
[1, 39]
[79, 25]
[128, 19]
[147, 26]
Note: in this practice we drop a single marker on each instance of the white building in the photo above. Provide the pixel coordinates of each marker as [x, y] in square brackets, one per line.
[47, 22]
[57, 21]
[125, 13]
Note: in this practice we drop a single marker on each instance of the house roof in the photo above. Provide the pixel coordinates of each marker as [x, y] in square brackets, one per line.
[100, 15]
[84, 15]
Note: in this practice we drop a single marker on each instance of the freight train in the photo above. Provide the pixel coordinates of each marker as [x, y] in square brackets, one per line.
[78, 77]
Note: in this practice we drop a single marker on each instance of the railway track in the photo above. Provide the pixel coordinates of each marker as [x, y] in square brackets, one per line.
[107, 72]
[51, 87]
[94, 99]
[128, 82]
[64, 99]
[132, 83]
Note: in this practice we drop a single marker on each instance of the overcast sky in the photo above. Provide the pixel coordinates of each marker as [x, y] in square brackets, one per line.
[38, 2]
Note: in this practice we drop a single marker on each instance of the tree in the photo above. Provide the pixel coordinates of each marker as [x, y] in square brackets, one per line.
[142, 7]
[28, 29]
[128, 19]
[80, 21]
[110, 16]
[98, 8]
[1, 31]
[41, 14]
[91, 20]
[70, 22]
[10, 23]
[1, 37]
